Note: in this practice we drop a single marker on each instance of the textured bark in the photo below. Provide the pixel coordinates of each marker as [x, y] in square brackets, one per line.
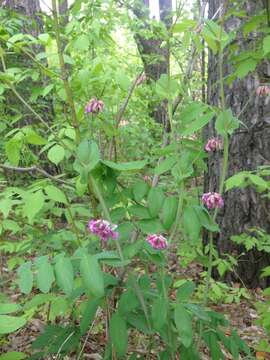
[155, 58]
[249, 148]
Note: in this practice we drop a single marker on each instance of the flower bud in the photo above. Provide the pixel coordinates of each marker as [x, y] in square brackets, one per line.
[213, 200]
[94, 106]
[157, 241]
[103, 229]
[213, 144]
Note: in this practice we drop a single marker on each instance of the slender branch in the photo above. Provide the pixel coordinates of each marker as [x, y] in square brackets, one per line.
[64, 74]
[34, 169]
[121, 112]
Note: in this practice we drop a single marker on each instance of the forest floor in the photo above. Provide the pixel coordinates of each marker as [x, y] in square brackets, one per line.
[242, 317]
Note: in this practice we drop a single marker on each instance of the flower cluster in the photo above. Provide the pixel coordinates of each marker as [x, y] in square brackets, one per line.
[213, 144]
[157, 241]
[212, 200]
[263, 90]
[103, 229]
[94, 106]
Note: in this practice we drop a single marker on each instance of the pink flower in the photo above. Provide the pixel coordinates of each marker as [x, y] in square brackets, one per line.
[263, 90]
[212, 200]
[103, 229]
[157, 241]
[213, 144]
[94, 106]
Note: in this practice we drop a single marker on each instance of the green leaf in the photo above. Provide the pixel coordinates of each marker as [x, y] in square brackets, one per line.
[55, 194]
[92, 275]
[159, 313]
[191, 223]
[236, 180]
[25, 280]
[119, 334]
[127, 166]
[128, 302]
[139, 212]
[82, 42]
[226, 123]
[13, 355]
[56, 154]
[8, 324]
[33, 203]
[184, 25]
[5, 206]
[266, 44]
[166, 86]
[64, 274]
[211, 340]
[165, 165]
[245, 67]
[199, 123]
[205, 219]
[183, 324]
[155, 200]
[33, 138]
[151, 226]
[88, 154]
[45, 275]
[169, 210]
[140, 189]
[185, 291]
[88, 315]
[13, 149]
[258, 181]
[9, 308]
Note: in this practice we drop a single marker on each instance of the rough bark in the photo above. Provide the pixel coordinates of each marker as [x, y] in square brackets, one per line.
[155, 57]
[249, 148]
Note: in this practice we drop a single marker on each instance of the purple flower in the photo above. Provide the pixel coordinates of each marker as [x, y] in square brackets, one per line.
[212, 200]
[213, 144]
[94, 106]
[103, 229]
[157, 241]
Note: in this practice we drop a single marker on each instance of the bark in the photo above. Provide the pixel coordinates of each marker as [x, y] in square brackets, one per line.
[155, 57]
[249, 148]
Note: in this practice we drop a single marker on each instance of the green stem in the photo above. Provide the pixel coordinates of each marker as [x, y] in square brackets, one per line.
[222, 178]
[64, 74]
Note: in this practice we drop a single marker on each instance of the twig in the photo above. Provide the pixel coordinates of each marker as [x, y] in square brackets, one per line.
[86, 339]
[121, 112]
[63, 344]
[64, 74]
[34, 169]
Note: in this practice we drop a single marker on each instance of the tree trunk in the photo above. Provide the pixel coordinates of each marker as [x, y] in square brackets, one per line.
[249, 148]
[154, 57]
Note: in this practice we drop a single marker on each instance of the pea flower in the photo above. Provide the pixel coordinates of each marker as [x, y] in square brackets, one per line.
[213, 144]
[263, 90]
[103, 229]
[212, 200]
[94, 106]
[157, 241]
